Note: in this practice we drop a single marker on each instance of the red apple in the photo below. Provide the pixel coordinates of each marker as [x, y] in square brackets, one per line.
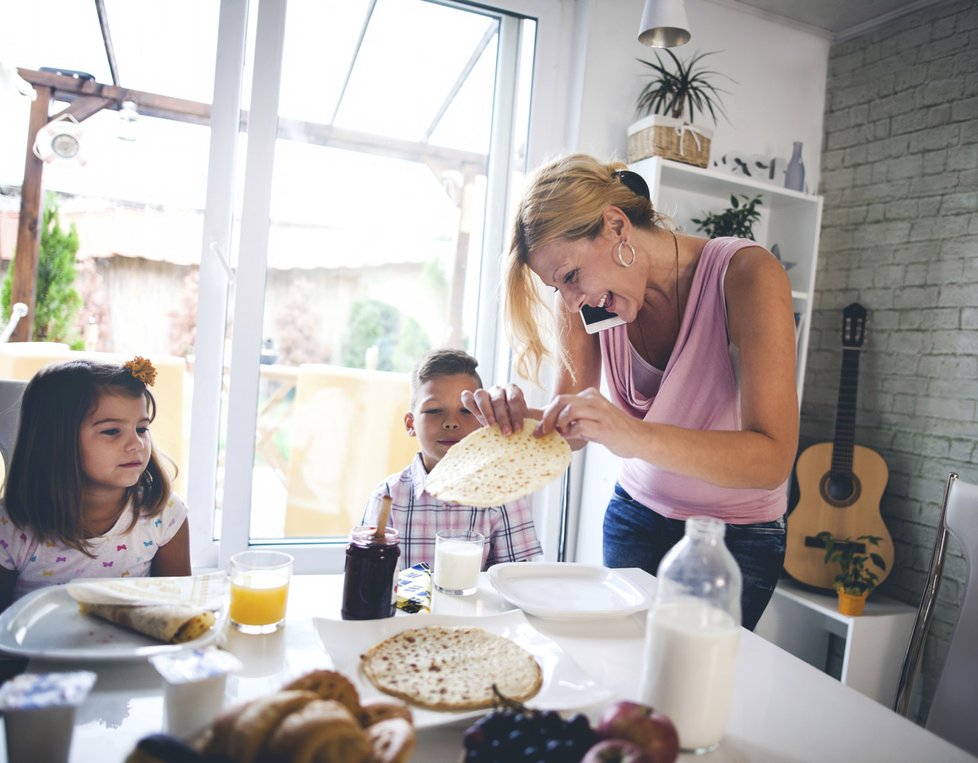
[640, 724]
[616, 751]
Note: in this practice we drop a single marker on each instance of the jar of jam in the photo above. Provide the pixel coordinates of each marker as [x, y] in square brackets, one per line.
[370, 574]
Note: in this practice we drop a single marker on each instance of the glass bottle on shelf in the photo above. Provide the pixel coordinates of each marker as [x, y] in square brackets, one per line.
[692, 635]
[794, 175]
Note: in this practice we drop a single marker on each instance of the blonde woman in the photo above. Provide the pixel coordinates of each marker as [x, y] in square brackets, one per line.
[703, 409]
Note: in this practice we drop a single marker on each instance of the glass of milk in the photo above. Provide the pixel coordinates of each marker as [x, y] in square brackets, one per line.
[458, 561]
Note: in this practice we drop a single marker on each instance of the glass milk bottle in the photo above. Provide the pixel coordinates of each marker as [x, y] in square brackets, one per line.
[692, 634]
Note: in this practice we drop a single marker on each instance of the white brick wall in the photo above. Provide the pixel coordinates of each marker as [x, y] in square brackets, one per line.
[900, 236]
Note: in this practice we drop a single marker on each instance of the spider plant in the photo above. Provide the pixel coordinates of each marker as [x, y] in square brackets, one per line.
[683, 88]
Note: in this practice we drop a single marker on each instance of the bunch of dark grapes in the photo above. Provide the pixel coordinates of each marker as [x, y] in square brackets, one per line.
[513, 732]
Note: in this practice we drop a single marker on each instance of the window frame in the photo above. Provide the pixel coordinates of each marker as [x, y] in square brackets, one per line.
[547, 133]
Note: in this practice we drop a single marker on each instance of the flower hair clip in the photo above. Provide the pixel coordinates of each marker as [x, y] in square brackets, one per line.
[142, 369]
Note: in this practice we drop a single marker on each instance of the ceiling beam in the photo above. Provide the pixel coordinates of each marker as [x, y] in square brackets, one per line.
[70, 89]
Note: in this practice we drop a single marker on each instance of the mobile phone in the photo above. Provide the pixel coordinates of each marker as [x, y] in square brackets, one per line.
[598, 319]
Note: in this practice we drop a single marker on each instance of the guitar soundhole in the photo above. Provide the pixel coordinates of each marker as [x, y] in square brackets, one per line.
[840, 491]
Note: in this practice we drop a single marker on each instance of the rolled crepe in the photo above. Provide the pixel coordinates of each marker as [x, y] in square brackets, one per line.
[170, 623]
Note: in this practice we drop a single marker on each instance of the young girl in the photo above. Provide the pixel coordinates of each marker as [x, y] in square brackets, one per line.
[85, 494]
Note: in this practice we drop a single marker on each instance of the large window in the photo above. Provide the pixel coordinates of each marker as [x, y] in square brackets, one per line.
[385, 117]
[339, 211]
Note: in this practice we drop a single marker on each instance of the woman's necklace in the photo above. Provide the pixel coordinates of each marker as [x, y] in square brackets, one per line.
[679, 317]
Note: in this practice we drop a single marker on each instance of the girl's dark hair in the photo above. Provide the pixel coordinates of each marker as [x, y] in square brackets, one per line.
[44, 482]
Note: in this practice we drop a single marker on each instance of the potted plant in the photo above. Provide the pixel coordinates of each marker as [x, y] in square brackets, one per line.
[670, 101]
[855, 580]
[736, 220]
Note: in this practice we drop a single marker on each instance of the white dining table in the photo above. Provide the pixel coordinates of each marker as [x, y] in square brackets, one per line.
[783, 709]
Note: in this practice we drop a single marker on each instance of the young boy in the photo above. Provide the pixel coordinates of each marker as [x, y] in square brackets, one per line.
[439, 420]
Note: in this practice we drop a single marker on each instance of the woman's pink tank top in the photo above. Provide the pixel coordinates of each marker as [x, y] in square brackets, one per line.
[698, 390]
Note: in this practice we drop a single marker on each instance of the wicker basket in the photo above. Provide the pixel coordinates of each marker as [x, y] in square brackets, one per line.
[669, 138]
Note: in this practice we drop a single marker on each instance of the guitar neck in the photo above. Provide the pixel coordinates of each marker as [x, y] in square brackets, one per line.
[845, 414]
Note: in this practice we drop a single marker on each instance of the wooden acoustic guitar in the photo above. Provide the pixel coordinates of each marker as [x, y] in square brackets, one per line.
[840, 484]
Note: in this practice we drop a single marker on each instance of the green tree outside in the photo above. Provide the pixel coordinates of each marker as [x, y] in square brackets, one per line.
[400, 340]
[56, 301]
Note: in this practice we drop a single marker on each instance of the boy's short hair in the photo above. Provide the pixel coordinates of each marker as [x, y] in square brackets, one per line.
[442, 363]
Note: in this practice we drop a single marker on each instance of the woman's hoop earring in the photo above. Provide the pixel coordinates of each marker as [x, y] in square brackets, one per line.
[621, 260]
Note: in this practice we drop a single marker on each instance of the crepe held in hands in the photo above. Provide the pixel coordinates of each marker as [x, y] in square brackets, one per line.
[489, 469]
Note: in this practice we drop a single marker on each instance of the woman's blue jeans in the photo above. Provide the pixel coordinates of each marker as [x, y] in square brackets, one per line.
[636, 536]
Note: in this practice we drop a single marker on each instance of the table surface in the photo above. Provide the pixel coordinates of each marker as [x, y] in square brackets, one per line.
[782, 709]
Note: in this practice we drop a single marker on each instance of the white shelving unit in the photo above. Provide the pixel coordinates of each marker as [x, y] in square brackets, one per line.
[790, 219]
[801, 621]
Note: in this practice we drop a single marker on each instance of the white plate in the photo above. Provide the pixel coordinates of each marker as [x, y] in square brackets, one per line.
[567, 591]
[565, 685]
[46, 624]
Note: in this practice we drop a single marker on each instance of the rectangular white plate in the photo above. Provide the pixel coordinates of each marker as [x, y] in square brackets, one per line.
[565, 685]
[46, 624]
[568, 591]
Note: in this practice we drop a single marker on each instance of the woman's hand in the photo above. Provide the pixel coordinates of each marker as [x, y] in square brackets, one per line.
[588, 416]
[505, 406]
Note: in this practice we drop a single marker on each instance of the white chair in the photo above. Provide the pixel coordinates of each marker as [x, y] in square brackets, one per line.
[953, 712]
[11, 391]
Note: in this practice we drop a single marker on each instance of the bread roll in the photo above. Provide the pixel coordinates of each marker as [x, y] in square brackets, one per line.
[316, 718]
[216, 739]
[163, 748]
[329, 684]
[380, 709]
[323, 731]
[256, 723]
[391, 741]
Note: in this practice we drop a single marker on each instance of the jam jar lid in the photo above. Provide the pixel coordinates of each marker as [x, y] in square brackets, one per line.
[364, 536]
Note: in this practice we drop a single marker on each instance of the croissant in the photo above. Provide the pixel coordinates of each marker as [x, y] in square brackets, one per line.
[329, 684]
[391, 741]
[258, 721]
[316, 718]
[323, 731]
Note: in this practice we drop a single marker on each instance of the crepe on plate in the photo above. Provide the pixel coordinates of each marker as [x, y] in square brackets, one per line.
[489, 469]
[170, 623]
[452, 668]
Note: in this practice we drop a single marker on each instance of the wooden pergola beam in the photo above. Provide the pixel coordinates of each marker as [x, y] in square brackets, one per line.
[24, 283]
[86, 97]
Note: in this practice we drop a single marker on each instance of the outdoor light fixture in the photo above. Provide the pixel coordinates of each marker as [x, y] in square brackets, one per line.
[128, 114]
[664, 24]
[60, 141]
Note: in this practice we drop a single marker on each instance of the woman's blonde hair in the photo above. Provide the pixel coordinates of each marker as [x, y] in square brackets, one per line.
[565, 199]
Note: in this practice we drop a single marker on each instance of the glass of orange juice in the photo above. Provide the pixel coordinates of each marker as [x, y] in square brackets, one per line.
[259, 590]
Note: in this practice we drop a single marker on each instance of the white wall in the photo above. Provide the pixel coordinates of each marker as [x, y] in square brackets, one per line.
[777, 96]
